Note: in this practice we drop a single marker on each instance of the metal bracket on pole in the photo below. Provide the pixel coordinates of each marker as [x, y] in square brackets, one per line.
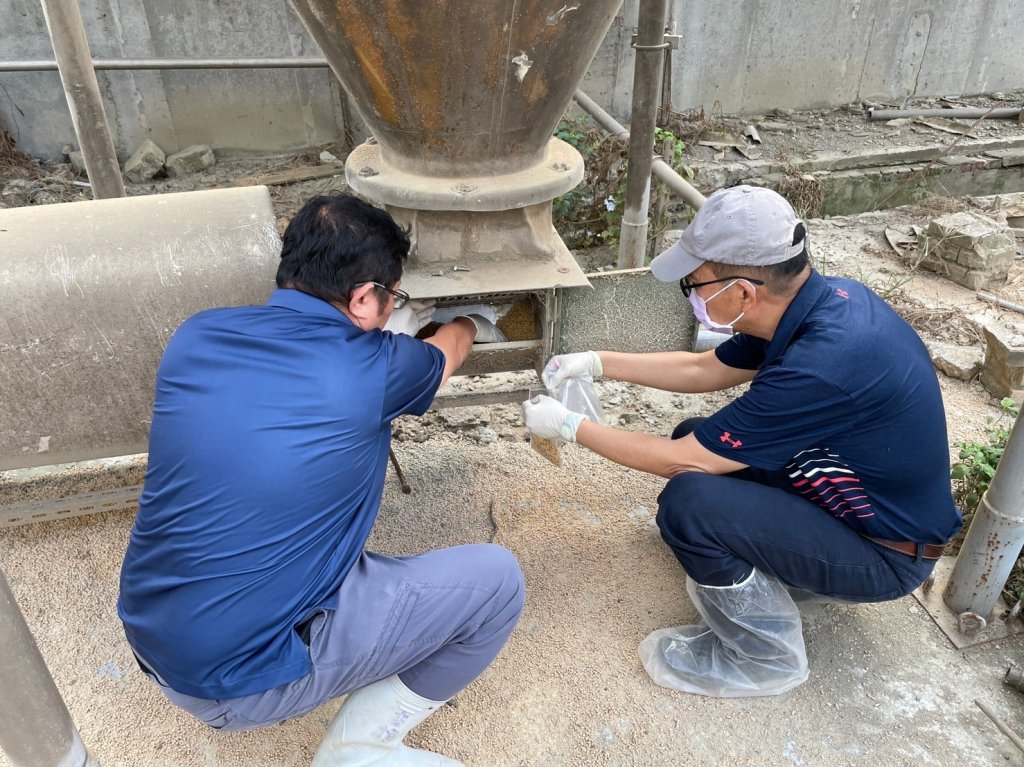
[671, 42]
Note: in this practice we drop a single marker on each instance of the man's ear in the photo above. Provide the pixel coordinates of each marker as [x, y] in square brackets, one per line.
[749, 294]
[363, 303]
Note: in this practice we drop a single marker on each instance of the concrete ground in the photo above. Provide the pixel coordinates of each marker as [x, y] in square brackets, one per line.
[886, 686]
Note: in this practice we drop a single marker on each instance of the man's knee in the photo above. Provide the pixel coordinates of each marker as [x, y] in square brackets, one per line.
[685, 502]
[500, 568]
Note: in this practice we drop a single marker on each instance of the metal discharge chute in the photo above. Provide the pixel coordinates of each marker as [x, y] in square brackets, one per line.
[462, 98]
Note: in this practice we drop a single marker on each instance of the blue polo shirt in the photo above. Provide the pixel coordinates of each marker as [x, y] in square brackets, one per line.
[267, 455]
[846, 405]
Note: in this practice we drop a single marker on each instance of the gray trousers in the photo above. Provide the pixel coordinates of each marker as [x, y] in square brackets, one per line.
[437, 620]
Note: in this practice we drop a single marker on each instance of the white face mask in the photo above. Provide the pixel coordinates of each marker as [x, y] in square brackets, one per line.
[700, 310]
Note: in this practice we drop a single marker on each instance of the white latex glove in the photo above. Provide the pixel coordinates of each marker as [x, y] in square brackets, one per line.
[486, 331]
[577, 365]
[548, 418]
[411, 318]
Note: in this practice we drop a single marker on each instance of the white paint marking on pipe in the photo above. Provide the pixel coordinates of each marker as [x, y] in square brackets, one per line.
[523, 64]
[556, 17]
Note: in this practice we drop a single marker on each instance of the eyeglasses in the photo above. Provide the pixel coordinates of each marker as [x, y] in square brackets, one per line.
[689, 287]
[401, 297]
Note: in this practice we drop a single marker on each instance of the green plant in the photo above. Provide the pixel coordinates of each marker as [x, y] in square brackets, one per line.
[678, 146]
[591, 214]
[574, 132]
[978, 462]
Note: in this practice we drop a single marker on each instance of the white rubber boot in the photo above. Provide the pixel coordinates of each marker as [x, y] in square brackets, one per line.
[370, 725]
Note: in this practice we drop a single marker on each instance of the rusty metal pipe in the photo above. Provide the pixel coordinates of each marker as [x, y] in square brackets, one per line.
[995, 537]
[1001, 725]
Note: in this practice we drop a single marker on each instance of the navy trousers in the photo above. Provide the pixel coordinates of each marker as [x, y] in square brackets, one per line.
[719, 526]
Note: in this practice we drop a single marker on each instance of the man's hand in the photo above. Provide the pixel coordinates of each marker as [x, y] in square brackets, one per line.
[577, 365]
[550, 419]
[411, 318]
[486, 331]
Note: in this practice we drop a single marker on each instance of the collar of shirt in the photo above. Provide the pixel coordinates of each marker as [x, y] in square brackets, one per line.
[297, 301]
[810, 293]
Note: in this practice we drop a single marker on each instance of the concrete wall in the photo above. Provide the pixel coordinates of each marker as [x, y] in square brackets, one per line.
[232, 110]
[748, 56]
[741, 55]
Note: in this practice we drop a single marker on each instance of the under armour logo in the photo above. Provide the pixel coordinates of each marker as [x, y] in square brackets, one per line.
[727, 437]
[842, 293]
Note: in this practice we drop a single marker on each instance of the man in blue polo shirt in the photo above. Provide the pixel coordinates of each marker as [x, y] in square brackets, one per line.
[829, 474]
[245, 591]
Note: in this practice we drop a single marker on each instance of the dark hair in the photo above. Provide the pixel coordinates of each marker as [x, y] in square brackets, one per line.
[337, 241]
[778, 278]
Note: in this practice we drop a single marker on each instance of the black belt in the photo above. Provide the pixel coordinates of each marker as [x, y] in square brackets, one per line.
[929, 551]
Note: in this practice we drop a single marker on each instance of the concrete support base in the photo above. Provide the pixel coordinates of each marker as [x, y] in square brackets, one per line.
[966, 631]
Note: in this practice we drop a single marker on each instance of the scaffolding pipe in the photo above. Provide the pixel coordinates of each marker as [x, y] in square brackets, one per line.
[35, 727]
[995, 537]
[647, 70]
[71, 49]
[161, 64]
[662, 170]
[968, 113]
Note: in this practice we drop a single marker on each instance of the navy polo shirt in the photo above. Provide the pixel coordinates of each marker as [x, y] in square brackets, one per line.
[267, 455]
[846, 404]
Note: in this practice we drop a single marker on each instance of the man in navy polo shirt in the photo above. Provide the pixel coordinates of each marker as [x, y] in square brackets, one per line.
[829, 474]
[245, 591]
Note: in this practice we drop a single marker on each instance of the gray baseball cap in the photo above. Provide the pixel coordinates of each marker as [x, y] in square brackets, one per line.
[741, 226]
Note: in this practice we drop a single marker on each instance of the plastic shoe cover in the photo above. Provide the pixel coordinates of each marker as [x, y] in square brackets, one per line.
[749, 643]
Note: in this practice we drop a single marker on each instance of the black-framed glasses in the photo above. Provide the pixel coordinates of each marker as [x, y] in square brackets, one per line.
[689, 287]
[401, 297]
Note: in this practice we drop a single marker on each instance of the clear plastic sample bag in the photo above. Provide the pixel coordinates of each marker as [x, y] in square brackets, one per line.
[578, 395]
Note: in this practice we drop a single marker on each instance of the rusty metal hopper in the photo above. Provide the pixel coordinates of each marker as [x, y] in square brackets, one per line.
[462, 97]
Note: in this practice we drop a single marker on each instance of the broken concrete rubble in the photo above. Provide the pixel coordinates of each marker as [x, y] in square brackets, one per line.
[146, 162]
[970, 249]
[1008, 157]
[962, 362]
[1003, 371]
[190, 160]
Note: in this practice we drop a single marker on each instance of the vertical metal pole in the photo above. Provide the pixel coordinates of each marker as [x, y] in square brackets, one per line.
[35, 727]
[647, 72]
[71, 49]
[995, 538]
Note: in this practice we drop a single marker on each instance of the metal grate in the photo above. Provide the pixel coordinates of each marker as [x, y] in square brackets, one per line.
[116, 499]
